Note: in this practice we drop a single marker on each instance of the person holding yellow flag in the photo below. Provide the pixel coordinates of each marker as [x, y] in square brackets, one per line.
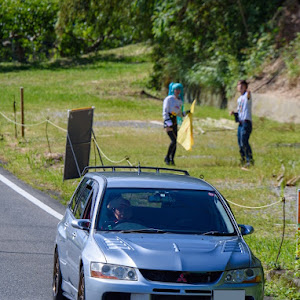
[172, 107]
[185, 133]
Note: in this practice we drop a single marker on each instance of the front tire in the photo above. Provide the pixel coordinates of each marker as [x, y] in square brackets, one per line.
[57, 291]
[81, 286]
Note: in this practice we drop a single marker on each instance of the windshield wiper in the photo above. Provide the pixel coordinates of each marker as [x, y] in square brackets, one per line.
[144, 230]
[218, 233]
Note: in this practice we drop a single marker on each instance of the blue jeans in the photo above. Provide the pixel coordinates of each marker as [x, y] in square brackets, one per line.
[243, 134]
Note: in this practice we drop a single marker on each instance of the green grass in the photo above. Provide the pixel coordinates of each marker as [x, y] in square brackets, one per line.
[112, 81]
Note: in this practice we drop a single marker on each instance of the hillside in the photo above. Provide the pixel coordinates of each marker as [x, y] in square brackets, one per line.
[275, 96]
[276, 83]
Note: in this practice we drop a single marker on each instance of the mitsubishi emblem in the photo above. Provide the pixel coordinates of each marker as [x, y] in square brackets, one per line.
[181, 278]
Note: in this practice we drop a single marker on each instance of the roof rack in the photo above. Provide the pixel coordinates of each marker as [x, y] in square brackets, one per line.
[138, 168]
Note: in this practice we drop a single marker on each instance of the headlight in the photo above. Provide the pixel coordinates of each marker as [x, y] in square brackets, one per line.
[250, 275]
[107, 271]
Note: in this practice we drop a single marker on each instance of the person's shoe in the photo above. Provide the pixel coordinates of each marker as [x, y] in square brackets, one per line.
[243, 161]
[167, 161]
[247, 165]
[172, 163]
[252, 162]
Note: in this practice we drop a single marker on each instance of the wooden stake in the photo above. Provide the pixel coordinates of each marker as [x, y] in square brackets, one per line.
[47, 135]
[22, 111]
[15, 116]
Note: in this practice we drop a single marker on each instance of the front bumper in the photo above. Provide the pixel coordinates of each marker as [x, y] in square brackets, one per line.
[105, 289]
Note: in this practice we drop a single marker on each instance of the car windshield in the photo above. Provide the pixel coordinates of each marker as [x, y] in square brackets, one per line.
[163, 211]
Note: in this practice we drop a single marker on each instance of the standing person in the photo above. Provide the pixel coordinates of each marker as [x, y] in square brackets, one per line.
[244, 117]
[172, 107]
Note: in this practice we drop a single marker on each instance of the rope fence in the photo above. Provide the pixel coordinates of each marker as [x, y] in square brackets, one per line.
[254, 207]
[19, 124]
[112, 161]
[64, 130]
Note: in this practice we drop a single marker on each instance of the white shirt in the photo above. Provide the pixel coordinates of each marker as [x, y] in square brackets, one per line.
[172, 106]
[244, 107]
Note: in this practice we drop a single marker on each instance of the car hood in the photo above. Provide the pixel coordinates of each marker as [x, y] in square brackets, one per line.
[174, 252]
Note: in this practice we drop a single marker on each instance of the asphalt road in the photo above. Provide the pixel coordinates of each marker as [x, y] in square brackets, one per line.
[27, 236]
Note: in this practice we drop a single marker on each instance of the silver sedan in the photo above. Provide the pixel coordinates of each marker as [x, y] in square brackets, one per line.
[155, 236]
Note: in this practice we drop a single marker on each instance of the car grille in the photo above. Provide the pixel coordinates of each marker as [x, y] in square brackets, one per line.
[181, 277]
[165, 297]
[126, 296]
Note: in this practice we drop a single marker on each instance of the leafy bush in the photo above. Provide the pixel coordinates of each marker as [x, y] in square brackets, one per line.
[27, 29]
[263, 49]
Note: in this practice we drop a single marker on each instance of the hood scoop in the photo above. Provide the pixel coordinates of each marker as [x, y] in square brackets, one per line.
[233, 246]
[116, 244]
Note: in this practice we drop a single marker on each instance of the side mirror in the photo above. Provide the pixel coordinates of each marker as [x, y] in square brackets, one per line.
[246, 229]
[81, 224]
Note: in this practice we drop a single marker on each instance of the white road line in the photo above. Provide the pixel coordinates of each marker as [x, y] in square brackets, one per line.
[32, 199]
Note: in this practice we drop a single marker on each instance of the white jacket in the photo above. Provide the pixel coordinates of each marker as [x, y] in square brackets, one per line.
[171, 106]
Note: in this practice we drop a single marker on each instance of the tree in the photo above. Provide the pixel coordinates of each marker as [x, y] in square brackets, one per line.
[27, 29]
[86, 26]
[202, 43]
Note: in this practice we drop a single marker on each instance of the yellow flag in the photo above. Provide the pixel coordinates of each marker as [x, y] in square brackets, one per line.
[185, 133]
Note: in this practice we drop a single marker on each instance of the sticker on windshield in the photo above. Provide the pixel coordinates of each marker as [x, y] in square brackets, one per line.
[211, 194]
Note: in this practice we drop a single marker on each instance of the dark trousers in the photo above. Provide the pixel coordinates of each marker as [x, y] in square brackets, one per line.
[172, 148]
[244, 131]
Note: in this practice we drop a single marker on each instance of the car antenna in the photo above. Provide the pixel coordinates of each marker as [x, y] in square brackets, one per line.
[139, 168]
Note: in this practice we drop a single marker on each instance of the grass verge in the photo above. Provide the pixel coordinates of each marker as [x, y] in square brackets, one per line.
[112, 82]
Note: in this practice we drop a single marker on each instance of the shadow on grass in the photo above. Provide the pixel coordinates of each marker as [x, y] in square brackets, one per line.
[91, 61]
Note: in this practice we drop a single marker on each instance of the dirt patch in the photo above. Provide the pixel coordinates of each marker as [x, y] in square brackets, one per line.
[277, 106]
[273, 79]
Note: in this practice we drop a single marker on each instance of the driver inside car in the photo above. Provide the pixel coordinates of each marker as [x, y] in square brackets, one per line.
[121, 209]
